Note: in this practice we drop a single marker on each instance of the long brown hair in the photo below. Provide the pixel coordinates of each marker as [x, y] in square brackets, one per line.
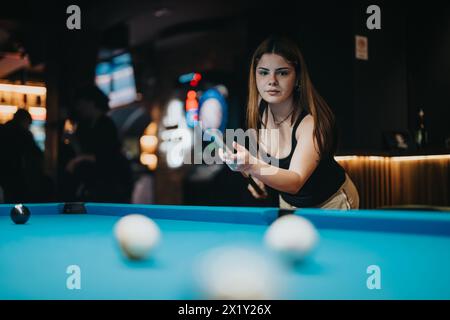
[306, 97]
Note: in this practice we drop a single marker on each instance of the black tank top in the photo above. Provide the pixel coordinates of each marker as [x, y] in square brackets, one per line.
[325, 181]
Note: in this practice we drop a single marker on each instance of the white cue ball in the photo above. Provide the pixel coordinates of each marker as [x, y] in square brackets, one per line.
[137, 235]
[292, 237]
[238, 274]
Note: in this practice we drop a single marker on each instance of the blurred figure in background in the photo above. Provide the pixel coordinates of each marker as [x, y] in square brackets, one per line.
[22, 175]
[99, 171]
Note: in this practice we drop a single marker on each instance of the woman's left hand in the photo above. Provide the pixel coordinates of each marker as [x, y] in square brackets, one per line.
[241, 161]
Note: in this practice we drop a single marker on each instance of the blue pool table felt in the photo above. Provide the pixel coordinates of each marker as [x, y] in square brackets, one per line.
[412, 250]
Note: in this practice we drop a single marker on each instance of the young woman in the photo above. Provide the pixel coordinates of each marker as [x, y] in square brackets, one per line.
[283, 100]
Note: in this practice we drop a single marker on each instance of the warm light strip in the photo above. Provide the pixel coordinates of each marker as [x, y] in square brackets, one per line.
[345, 158]
[401, 158]
[38, 111]
[428, 157]
[23, 89]
[377, 158]
[7, 109]
[151, 129]
[149, 141]
[148, 159]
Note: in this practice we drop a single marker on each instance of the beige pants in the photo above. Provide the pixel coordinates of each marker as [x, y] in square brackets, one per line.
[345, 198]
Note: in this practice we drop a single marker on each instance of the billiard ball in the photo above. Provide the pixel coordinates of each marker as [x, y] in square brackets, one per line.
[20, 214]
[234, 272]
[137, 236]
[292, 237]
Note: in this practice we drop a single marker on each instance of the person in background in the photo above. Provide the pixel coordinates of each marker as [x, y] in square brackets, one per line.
[22, 174]
[99, 171]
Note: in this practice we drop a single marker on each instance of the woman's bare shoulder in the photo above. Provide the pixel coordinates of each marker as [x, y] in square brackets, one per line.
[306, 126]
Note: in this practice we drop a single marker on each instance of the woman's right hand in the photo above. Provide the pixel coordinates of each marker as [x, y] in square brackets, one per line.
[254, 193]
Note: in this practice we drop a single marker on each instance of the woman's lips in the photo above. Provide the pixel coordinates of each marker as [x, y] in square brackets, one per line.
[272, 92]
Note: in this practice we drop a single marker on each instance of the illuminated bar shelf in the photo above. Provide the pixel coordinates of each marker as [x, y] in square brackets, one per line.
[400, 180]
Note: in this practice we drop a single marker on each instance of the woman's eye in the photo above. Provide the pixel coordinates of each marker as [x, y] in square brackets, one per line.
[263, 73]
[283, 73]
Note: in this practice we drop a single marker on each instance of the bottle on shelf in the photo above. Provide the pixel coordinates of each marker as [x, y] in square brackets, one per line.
[38, 101]
[421, 136]
[24, 103]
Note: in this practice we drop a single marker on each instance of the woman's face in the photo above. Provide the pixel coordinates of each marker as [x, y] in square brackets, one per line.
[275, 78]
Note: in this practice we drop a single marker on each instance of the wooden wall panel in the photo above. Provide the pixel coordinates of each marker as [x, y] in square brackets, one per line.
[393, 181]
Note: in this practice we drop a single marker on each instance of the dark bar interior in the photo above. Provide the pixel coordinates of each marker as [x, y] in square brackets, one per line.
[182, 151]
[380, 100]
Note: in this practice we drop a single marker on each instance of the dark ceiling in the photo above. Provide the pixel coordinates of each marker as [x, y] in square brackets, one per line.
[26, 26]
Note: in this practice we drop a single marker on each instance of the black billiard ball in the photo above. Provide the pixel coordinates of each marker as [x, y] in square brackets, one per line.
[20, 214]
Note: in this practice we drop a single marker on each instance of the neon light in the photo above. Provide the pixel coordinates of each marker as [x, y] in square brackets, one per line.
[191, 104]
[185, 78]
[197, 77]
[191, 94]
